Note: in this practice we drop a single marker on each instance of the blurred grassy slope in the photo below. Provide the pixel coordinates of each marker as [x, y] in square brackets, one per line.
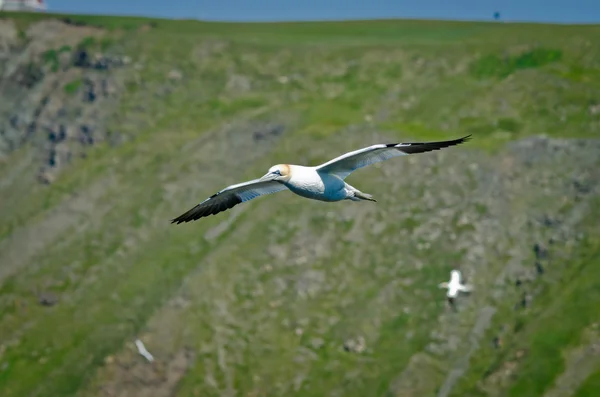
[264, 296]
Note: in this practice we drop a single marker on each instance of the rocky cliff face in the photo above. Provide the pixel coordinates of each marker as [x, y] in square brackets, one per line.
[58, 86]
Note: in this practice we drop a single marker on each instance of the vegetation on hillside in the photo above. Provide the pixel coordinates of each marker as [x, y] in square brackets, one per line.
[272, 297]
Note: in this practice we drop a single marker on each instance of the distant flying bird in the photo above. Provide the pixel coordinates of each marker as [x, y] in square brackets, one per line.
[455, 286]
[324, 182]
[142, 350]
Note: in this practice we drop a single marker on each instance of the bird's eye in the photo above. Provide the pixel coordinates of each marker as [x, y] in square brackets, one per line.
[277, 172]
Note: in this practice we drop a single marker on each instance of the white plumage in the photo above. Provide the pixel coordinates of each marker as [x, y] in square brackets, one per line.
[455, 286]
[324, 182]
[142, 350]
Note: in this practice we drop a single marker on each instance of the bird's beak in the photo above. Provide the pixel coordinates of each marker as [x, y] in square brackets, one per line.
[268, 177]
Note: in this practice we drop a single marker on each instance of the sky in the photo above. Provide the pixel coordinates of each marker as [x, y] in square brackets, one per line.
[560, 11]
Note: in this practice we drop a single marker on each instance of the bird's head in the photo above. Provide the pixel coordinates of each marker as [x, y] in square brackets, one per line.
[455, 276]
[279, 172]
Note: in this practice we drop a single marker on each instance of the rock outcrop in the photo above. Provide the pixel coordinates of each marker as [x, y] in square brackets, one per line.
[58, 85]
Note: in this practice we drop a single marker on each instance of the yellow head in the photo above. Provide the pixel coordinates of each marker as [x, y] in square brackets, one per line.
[279, 172]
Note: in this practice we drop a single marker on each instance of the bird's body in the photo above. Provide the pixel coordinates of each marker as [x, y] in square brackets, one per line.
[308, 182]
[325, 182]
[142, 350]
[455, 285]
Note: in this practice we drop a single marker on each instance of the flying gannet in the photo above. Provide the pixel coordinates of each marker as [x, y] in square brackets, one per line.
[455, 286]
[324, 182]
[142, 350]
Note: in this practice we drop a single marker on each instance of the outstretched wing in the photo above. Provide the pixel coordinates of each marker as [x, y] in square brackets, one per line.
[344, 165]
[229, 198]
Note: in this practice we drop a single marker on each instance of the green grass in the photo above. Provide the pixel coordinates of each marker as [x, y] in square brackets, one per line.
[73, 86]
[590, 386]
[548, 338]
[116, 263]
[52, 57]
[496, 66]
[91, 42]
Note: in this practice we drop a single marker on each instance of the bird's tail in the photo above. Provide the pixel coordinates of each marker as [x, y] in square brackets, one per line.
[364, 196]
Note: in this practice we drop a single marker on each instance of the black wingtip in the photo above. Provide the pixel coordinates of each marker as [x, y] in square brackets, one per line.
[183, 219]
[177, 220]
[457, 141]
[422, 147]
[186, 216]
[207, 208]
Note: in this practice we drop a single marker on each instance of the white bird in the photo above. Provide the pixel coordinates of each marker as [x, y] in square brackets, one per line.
[324, 182]
[455, 286]
[142, 350]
